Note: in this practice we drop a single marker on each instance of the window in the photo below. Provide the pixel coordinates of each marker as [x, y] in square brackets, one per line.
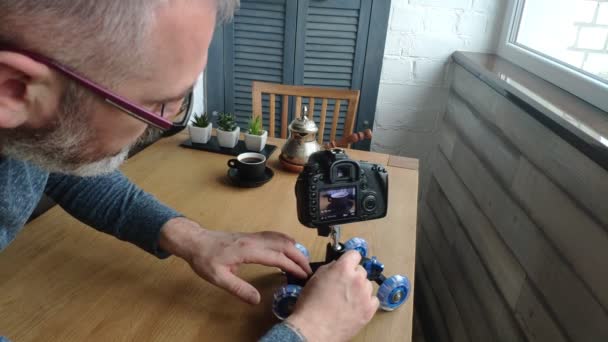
[563, 41]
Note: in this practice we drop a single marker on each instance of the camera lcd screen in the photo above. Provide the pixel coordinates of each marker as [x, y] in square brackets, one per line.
[337, 203]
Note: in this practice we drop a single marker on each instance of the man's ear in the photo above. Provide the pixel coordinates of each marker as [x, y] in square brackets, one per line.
[29, 91]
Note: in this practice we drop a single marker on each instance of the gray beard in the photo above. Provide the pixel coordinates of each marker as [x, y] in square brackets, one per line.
[54, 151]
[59, 155]
[60, 148]
[103, 166]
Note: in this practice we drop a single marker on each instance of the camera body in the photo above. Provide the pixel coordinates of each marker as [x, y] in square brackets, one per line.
[334, 189]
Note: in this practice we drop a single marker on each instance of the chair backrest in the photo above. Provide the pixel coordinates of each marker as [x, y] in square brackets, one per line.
[299, 92]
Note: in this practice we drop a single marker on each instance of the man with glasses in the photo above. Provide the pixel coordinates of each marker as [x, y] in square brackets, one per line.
[80, 82]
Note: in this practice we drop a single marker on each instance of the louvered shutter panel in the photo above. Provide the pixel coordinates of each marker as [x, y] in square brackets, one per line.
[327, 43]
[332, 49]
[259, 48]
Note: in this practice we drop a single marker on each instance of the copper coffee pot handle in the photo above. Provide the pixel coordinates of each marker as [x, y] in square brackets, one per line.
[351, 139]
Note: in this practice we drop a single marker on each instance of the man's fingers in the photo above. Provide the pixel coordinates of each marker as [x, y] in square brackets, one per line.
[350, 259]
[277, 235]
[361, 271]
[269, 257]
[369, 288]
[374, 307]
[325, 268]
[237, 287]
[286, 245]
[294, 254]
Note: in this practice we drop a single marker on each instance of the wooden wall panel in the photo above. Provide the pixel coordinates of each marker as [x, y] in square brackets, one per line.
[468, 304]
[579, 238]
[505, 268]
[440, 287]
[513, 225]
[427, 307]
[582, 178]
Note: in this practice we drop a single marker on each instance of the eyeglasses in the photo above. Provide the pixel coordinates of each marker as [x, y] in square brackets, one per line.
[169, 127]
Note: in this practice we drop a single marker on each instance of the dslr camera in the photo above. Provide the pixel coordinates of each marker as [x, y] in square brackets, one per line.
[334, 189]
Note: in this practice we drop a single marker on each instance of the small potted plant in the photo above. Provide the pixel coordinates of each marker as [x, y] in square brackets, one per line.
[255, 138]
[200, 129]
[227, 131]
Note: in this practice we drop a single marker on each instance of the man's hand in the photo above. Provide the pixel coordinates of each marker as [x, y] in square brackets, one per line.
[337, 301]
[216, 256]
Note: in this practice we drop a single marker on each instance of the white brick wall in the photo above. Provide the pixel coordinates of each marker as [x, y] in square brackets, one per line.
[602, 15]
[592, 38]
[413, 90]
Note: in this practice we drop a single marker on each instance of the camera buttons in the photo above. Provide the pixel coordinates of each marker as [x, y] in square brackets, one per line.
[369, 203]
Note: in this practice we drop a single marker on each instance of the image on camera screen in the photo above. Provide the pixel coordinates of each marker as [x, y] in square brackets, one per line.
[337, 203]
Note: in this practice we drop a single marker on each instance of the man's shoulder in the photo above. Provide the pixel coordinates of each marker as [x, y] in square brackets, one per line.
[21, 186]
[17, 169]
[20, 181]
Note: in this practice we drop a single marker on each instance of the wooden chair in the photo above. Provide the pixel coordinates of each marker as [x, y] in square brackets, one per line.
[339, 95]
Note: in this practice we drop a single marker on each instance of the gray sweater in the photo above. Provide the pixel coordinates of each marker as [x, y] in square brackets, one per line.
[110, 204]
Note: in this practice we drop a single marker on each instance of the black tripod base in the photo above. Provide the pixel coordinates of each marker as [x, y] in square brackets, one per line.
[373, 268]
[330, 255]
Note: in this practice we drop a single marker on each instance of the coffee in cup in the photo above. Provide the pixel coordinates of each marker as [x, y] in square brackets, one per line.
[250, 165]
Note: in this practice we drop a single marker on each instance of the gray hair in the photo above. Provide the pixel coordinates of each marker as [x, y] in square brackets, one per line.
[226, 9]
[88, 35]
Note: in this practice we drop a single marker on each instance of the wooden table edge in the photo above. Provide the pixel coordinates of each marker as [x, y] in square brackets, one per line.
[404, 162]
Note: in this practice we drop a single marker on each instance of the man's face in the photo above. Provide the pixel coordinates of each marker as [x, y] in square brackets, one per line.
[176, 55]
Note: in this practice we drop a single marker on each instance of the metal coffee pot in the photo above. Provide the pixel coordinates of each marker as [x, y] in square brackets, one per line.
[302, 142]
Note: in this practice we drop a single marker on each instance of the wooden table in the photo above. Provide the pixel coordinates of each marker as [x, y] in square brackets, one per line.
[62, 281]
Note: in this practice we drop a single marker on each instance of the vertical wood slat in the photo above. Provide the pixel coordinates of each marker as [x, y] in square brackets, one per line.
[272, 115]
[256, 95]
[322, 121]
[311, 108]
[298, 106]
[349, 124]
[284, 117]
[334, 121]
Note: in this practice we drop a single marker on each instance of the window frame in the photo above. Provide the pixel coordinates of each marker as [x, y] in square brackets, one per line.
[579, 84]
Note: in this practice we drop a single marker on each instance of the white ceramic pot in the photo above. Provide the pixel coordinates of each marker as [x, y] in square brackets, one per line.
[256, 142]
[228, 139]
[200, 135]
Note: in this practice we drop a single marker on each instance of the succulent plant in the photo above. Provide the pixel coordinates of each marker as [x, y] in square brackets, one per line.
[201, 120]
[226, 122]
[255, 126]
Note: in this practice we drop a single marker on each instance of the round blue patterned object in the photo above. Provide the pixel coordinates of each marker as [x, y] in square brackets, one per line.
[357, 244]
[304, 250]
[393, 292]
[285, 299]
